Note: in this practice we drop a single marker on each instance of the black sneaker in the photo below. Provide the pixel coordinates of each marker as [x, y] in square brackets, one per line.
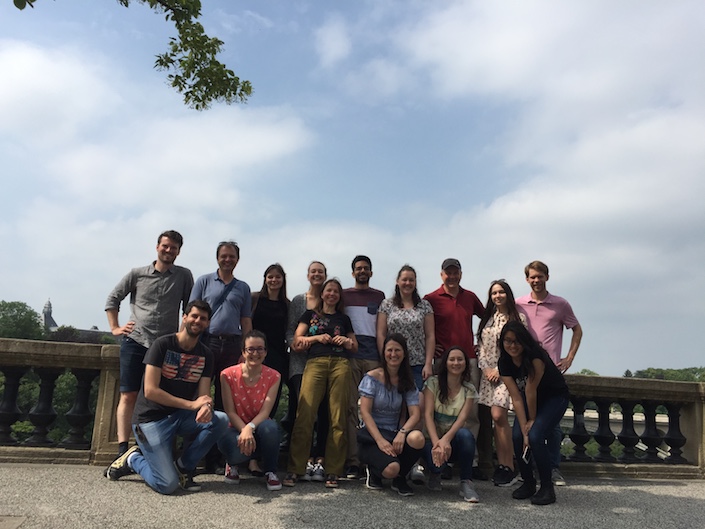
[373, 482]
[119, 467]
[447, 472]
[505, 477]
[478, 474]
[526, 490]
[353, 472]
[186, 481]
[545, 496]
[400, 485]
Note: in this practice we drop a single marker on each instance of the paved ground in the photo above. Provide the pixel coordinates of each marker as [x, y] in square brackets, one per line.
[73, 496]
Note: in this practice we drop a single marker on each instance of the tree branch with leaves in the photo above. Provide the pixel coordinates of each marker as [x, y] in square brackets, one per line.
[191, 58]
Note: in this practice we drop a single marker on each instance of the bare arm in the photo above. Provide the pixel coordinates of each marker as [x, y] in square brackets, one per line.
[429, 328]
[152, 391]
[565, 363]
[115, 327]
[245, 325]
[381, 331]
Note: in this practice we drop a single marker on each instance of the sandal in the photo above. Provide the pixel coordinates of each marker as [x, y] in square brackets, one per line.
[331, 481]
[290, 480]
[254, 469]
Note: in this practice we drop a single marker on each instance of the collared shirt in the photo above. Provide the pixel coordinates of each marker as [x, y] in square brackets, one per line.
[155, 300]
[453, 318]
[361, 306]
[237, 305]
[546, 321]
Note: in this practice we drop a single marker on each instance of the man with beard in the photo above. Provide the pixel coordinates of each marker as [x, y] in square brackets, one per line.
[157, 292]
[174, 400]
[361, 304]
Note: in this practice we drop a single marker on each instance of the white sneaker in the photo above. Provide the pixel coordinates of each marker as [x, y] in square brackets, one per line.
[232, 476]
[273, 482]
[319, 473]
[308, 475]
[467, 491]
[416, 475]
[557, 478]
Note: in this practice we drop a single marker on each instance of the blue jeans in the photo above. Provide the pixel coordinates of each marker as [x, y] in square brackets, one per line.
[462, 452]
[267, 439]
[547, 417]
[156, 439]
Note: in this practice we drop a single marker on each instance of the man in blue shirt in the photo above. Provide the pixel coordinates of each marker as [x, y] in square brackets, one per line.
[231, 302]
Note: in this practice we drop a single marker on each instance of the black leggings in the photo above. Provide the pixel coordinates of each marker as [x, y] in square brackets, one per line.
[370, 454]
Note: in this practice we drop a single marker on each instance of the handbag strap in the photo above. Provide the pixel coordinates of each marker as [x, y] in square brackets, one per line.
[224, 295]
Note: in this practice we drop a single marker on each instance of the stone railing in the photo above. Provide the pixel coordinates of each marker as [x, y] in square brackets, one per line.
[678, 452]
[49, 360]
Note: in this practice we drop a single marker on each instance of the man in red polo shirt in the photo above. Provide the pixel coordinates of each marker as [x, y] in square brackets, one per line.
[453, 309]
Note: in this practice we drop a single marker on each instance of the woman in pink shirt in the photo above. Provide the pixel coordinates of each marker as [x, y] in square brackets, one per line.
[249, 393]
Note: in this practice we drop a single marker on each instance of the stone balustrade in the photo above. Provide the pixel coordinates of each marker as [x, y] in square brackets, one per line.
[677, 452]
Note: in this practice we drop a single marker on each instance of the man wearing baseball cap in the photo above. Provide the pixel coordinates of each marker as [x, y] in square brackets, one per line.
[453, 309]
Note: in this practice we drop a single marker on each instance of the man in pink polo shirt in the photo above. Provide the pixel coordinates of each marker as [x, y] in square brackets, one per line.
[547, 315]
[453, 309]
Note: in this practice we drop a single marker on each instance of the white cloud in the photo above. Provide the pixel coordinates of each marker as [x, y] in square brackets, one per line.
[332, 41]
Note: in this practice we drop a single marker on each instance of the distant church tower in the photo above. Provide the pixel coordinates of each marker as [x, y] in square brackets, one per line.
[49, 323]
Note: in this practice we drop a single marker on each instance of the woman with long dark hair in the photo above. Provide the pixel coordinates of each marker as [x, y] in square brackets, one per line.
[388, 443]
[326, 336]
[499, 310]
[270, 308]
[448, 399]
[539, 394]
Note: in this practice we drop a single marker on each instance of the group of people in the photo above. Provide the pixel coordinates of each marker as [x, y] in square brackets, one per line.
[394, 386]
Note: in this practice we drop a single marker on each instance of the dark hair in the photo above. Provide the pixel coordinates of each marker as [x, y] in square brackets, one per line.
[536, 265]
[490, 308]
[406, 378]
[523, 336]
[173, 235]
[443, 372]
[200, 305]
[361, 258]
[254, 333]
[338, 306]
[397, 293]
[232, 244]
[282, 291]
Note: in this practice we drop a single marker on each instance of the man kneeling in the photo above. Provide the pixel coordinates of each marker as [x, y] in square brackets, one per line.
[174, 400]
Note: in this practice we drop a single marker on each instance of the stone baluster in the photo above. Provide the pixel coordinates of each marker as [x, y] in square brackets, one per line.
[603, 435]
[9, 411]
[42, 415]
[579, 434]
[650, 437]
[628, 436]
[674, 438]
[80, 415]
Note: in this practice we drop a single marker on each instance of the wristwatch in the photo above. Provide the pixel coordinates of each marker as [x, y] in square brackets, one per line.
[252, 425]
[403, 430]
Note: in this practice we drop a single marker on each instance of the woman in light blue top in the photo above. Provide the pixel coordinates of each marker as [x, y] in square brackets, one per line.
[387, 443]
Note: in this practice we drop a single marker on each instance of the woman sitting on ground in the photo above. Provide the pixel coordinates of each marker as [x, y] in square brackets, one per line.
[388, 449]
[448, 398]
[249, 392]
[540, 397]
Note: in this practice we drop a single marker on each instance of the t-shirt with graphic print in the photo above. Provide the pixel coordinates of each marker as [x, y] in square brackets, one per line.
[181, 372]
[248, 400]
[337, 324]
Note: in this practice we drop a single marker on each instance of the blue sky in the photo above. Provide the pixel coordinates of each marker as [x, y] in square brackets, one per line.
[412, 131]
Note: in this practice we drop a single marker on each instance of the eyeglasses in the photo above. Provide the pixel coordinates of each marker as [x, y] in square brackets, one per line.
[253, 350]
[510, 343]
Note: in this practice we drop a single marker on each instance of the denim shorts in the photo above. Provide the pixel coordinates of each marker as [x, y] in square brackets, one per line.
[131, 366]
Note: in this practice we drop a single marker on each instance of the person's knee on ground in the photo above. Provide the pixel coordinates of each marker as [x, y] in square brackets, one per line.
[415, 439]
[391, 471]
